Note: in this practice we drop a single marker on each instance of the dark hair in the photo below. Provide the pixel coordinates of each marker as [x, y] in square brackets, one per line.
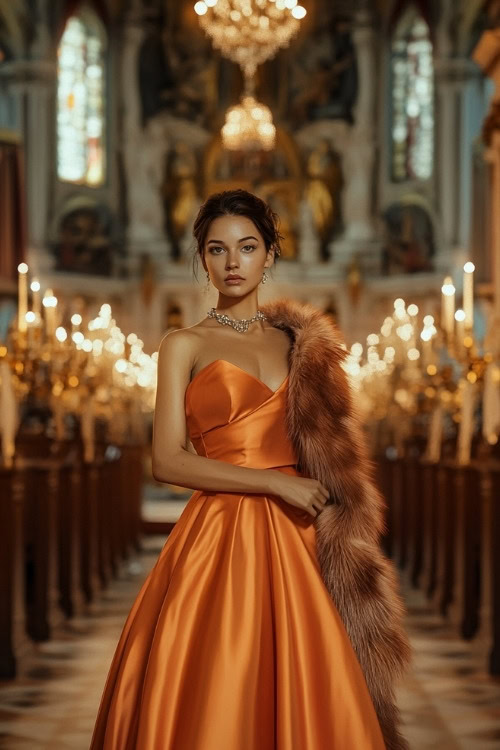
[238, 203]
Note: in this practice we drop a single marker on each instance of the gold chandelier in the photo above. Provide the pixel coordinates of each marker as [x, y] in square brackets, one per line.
[249, 32]
[249, 126]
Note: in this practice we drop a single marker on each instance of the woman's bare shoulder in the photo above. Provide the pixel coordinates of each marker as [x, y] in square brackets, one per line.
[184, 342]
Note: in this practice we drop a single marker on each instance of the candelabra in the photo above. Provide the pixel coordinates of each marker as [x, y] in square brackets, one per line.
[435, 378]
[92, 372]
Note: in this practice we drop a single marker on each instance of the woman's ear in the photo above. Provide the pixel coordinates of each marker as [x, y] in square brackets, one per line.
[270, 257]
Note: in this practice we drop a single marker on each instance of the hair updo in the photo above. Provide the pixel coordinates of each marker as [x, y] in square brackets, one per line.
[238, 203]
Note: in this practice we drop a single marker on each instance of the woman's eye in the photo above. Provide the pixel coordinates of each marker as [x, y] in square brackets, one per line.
[216, 248]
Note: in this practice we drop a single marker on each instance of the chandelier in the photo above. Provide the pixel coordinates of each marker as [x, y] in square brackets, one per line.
[249, 126]
[249, 32]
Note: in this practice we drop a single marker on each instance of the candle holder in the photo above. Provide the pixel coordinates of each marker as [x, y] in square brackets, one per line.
[55, 375]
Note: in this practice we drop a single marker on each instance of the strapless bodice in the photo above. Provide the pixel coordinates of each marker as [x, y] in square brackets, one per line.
[233, 416]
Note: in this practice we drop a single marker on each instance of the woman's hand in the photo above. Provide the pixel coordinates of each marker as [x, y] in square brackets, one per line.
[304, 493]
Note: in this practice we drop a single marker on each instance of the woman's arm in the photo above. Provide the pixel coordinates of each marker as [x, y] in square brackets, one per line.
[172, 462]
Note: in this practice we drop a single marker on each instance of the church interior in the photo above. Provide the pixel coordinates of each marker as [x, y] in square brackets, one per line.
[372, 128]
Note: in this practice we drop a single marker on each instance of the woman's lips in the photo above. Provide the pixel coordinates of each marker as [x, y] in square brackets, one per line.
[233, 281]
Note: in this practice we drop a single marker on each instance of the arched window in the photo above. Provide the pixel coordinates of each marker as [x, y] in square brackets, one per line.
[81, 100]
[412, 90]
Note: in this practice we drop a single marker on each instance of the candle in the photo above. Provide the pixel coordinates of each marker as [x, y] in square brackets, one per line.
[36, 301]
[468, 294]
[448, 305]
[76, 320]
[426, 348]
[61, 334]
[30, 318]
[426, 336]
[50, 303]
[61, 337]
[491, 403]
[433, 452]
[22, 297]
[9, 414]
[466, 428]
[460, 328]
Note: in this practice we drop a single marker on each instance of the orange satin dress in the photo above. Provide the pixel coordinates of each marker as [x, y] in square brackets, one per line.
[233, 642]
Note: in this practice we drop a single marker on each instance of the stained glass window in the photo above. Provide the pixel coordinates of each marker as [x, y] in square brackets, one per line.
[412, 131]
[81, 101]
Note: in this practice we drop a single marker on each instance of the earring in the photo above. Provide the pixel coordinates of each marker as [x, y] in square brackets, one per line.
[264, 277]
[208, 282]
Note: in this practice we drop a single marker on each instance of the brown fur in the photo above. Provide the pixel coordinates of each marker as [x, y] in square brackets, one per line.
[330, 446]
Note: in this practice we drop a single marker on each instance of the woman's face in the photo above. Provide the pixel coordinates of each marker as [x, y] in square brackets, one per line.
[235, 247]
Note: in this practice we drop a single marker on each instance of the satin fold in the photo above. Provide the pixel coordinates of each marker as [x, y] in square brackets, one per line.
[233, 642]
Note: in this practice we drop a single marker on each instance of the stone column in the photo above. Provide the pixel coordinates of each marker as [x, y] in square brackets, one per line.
[454, 79]
[487, 55]
[39, 161]
[359, 158]
[33, 82]
[493, 157]
[471, 109]
[40, 90]
[144, 153]
[309, 244]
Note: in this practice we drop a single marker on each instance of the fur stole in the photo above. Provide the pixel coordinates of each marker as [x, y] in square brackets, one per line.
[330, 446]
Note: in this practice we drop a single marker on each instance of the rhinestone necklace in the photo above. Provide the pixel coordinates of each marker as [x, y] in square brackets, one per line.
[240, 324]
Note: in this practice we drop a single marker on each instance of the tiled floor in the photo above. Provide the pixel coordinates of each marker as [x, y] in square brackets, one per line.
[447, 703]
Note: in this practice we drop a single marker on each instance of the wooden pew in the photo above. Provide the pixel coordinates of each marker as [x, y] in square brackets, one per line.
[494, 546]
[89, 533]
[40, 505]
[65, 526]
[430, 548]
[415, 516]
[68, 531]
[446, 536]
[468, 508]
[13, 637]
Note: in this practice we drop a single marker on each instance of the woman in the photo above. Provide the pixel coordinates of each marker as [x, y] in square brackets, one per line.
[270, 620]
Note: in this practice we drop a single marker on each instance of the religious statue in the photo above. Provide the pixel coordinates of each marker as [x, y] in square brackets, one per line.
[409, 244]
[181, 194]
[324, 180]
[84, 243]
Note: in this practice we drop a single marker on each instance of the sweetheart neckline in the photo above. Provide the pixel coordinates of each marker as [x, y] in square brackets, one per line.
[249, 374]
